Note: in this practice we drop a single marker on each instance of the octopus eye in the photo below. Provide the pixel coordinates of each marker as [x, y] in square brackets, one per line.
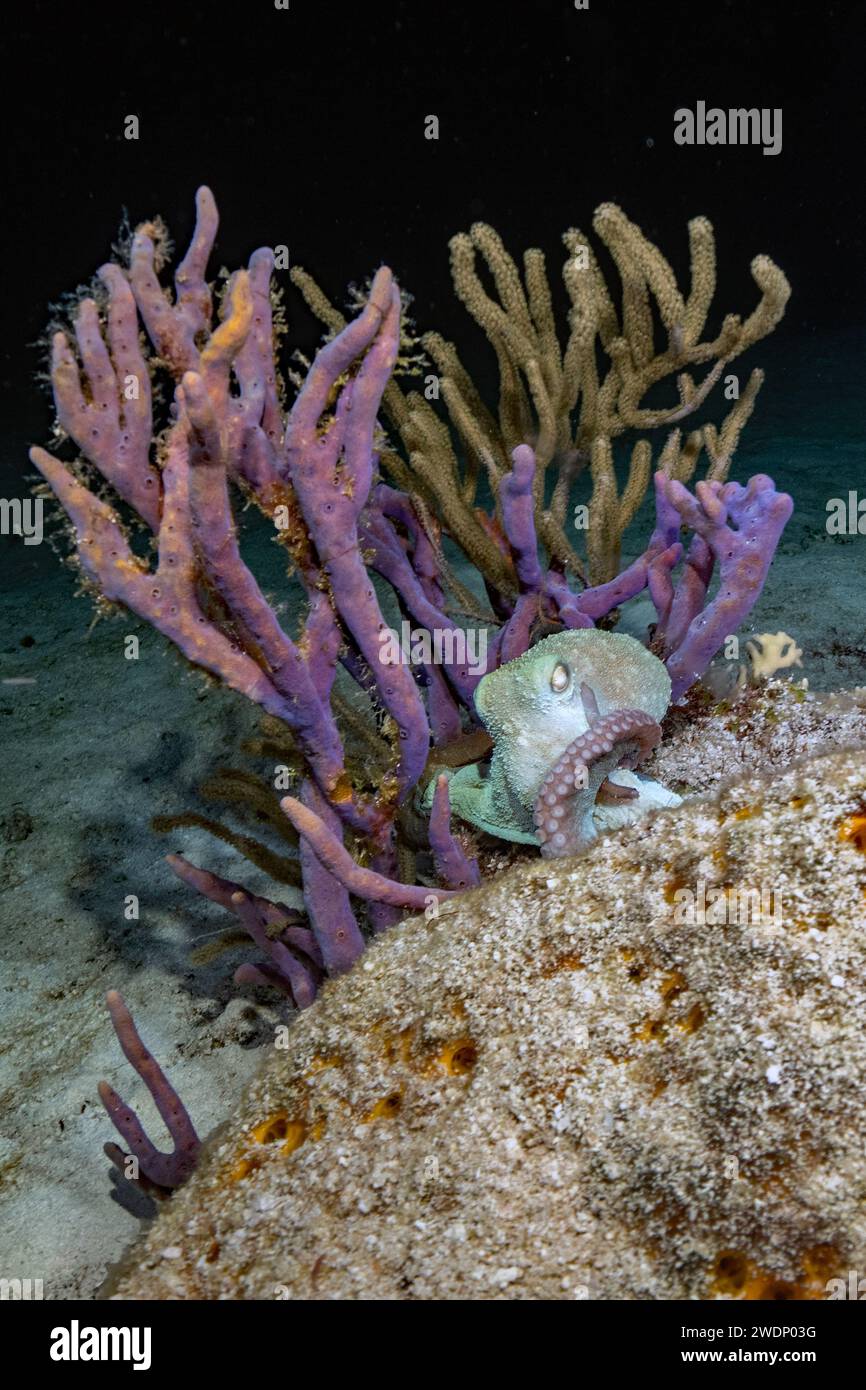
[560, 679]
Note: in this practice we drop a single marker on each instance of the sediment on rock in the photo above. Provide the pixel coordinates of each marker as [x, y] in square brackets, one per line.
[566, 1086]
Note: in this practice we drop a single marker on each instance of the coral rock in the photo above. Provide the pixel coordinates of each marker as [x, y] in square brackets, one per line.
[572, 1082]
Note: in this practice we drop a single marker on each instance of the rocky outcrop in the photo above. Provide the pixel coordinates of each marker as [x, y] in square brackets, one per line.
[636, 1074]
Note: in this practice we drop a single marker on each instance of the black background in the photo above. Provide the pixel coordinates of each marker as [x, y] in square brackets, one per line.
[309, 126]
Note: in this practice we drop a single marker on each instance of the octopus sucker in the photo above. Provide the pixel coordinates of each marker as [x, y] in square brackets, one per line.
[569, 792]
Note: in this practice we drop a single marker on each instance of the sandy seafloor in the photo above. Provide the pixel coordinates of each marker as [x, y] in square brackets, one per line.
[97, 745]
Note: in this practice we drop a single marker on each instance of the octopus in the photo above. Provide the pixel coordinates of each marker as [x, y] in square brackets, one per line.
[570, 720]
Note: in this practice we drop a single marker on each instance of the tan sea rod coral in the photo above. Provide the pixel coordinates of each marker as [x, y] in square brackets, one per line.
[574, 1082]
[573, 401]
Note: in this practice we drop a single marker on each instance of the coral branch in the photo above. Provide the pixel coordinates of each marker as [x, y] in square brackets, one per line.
[554, 396]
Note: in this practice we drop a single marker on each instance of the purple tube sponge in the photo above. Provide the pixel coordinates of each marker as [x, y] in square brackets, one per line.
[364, 883]
[452, 864]
[294, 961]
[737, 528]
[165, 1170]
[337, 934]
[332, 473]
